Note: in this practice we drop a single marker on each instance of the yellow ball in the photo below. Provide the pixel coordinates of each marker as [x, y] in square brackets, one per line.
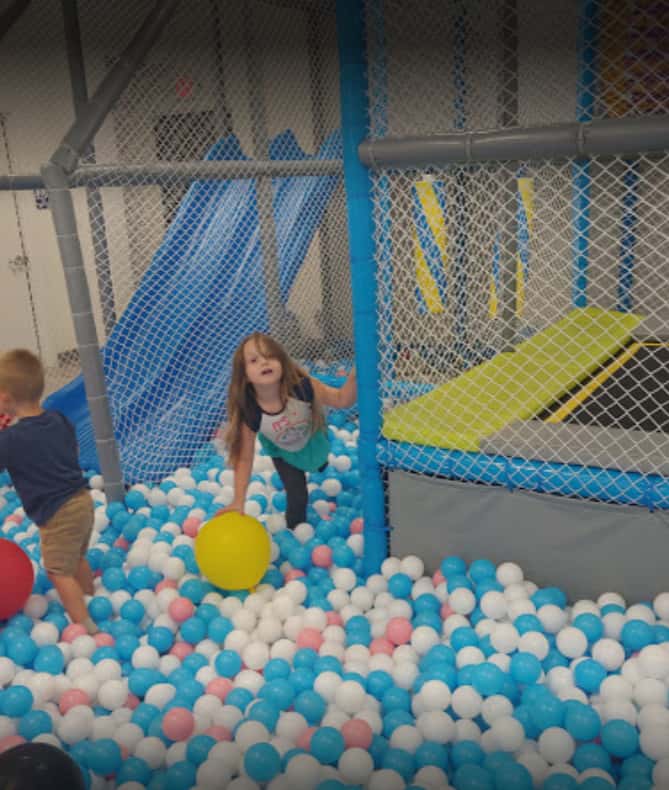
[233, 551]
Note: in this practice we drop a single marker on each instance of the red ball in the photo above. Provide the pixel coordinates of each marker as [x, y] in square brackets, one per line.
[16, 578]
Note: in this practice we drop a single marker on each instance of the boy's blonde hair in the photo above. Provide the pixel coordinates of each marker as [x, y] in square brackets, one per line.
[21, 375]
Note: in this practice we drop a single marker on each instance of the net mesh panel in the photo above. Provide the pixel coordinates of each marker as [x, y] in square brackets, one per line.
[473, 260]
[180, 269]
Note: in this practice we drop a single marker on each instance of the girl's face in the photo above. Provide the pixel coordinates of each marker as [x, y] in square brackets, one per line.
[261, 370]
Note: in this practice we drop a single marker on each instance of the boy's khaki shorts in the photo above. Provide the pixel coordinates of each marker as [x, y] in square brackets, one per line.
[66, 535]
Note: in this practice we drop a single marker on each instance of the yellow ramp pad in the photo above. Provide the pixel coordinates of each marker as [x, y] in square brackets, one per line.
[514, 385]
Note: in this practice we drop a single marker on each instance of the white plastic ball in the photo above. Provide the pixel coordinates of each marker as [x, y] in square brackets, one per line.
[113, 694]
[349, 696]
[571, 642]
[466, 702]
[436, 726]
[462, 601]
[556, 745]
[509, 573]
[494, 605]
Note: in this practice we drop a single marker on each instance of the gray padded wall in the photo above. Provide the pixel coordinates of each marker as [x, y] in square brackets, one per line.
[585, 548]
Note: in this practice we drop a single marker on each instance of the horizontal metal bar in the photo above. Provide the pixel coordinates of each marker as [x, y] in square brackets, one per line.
[18, 183]
[166, 172]
[606, 137]
[172, 172]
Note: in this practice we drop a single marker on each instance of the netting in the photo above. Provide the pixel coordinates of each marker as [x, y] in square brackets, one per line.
[181, 267]
[523, 314]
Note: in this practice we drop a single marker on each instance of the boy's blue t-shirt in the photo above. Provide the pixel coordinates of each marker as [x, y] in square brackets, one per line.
[41, 455]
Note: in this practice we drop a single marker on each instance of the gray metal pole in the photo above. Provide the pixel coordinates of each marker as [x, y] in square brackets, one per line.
[159, 172]
[83, 130]
[21, 182]
[65, 223]
[508, 116]
[55, 174]
[96, 218]
[186, 172]
[276, 312]
[10, 15]
[610, 137]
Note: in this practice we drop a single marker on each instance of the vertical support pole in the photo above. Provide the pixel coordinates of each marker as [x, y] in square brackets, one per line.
[628, 238]
[96, 218]
[460, 279]
[508, 245]
[276, 313]
[65, 224]
[378, 121]
[581, 170]
[353, 82]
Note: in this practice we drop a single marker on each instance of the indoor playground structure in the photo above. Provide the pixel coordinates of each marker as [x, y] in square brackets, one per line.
[466, 200]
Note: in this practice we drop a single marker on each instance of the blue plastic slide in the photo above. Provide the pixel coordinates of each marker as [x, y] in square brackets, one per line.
[167, 360]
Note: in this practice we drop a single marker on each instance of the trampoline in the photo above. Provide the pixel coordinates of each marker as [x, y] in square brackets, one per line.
[630, 391]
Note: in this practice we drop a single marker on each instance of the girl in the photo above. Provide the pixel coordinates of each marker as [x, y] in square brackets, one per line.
[271, 396]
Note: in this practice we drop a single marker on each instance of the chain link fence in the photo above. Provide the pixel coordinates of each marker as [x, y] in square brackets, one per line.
[523, 313]
[183, 261]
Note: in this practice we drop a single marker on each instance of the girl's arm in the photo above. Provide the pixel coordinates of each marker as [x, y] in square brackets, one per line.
[337, 397]
[243, 469]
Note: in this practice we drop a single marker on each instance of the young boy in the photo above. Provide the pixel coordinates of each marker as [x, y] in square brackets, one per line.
[40, 453]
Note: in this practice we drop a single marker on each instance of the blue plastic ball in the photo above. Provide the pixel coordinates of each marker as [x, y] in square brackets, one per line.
[327, 745]
[34, 723]
[588, 675]
[16, 701]
[311, 705]
[620, 738]
[104, 756]
[581, 721]
[228, 663]
[49, 659]
[525, 668]
[262, 762]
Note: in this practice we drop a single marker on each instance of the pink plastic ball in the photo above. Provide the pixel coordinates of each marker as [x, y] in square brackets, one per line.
[398, 630]
[219, 687]
[304, 738]
[321, 556]
[104, 640]
[333, 506]
[310, 637]
[181, 650]
[219, 732]
[293, 573]
[357, 526]
[381, 645]
[132, 702]
[191, 526]
[166, 584]
[445, 611]
[10, 741]
[334, 618]
[357, 734]
[72, 631]
[178, 724]
[15, 518]
[437, 578]
[181, 609]
[121, 543]
[70, 698]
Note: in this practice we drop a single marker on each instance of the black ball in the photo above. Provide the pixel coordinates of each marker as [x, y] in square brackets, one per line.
[39, 766]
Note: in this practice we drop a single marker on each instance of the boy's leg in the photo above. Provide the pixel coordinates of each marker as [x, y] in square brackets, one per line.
[72, 597]
[84, 576]
[295, 482]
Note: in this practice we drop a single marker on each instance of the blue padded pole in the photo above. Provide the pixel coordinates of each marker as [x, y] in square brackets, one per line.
[628, 238]
[354, 121]
[581, 170]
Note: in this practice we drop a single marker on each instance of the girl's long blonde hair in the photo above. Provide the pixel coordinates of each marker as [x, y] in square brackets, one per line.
[241, 394]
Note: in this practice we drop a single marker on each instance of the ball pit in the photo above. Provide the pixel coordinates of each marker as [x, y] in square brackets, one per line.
[472, 677]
